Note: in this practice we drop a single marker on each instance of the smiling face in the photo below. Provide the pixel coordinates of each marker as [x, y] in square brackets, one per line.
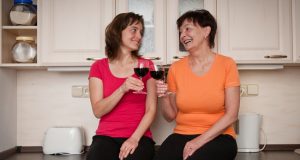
[193, 36]
[132, 36]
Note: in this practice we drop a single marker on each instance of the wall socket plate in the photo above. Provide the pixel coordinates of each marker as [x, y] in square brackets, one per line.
[243, 90]
[80, 91]
[248, 90]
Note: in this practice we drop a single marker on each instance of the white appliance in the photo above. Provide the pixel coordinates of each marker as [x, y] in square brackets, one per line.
[63, 140]
[248, 132]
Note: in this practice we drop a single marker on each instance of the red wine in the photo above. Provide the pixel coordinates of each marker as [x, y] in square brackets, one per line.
[157, 74]
[141, 72]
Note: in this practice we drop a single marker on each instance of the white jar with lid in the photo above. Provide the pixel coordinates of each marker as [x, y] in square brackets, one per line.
[23, 13]
[24, 50]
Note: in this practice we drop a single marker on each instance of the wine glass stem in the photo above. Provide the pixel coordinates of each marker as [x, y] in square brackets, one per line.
[141, 78]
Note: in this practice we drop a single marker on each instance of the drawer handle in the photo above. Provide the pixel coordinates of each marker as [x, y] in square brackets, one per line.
[276, 56]
[152, 58]
[178, 57]
[92, 59]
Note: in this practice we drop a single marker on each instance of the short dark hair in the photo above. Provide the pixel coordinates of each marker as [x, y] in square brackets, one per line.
[113, 32]
[204, 19]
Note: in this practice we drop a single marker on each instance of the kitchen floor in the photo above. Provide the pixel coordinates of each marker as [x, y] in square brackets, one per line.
[268, 155]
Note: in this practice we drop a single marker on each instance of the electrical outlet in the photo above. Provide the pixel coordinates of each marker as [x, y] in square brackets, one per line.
[80, 91]
[243, 90]
[252, 89]
[76, 91]
[248, 90]
[86, 92]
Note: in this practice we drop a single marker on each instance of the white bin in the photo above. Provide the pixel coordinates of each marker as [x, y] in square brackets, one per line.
[248, 132]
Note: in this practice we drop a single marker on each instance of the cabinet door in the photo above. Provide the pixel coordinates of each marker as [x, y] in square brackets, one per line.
[175, 8]
[296, 10]
[256, 31]
[154, 14]
[73, 30]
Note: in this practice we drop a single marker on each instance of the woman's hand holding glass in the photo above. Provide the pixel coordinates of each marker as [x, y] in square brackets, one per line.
[161, 88]
[157, 72]
[132, 83]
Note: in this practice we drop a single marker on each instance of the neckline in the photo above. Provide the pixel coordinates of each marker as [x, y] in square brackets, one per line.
[206, 73]
[109, 70]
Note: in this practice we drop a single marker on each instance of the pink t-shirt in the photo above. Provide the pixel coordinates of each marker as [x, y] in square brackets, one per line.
[127, 114]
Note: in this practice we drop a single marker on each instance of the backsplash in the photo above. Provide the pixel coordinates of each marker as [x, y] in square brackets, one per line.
[45, 100]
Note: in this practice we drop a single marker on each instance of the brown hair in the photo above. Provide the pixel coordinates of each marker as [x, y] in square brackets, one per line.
[204, 19]
[113, 32]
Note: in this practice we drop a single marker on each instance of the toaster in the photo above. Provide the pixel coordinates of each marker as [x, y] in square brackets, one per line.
[63, 140]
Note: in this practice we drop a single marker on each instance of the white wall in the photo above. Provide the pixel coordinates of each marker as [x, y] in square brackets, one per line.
[44, 100]
[8, 109]
[278, 101]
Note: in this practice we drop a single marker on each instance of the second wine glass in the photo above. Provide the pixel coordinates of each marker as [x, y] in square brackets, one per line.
[157, 72]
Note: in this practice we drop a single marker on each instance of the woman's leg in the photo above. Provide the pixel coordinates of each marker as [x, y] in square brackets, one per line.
[104, 148]
[172, 147]
[222, 147]
[144, 151]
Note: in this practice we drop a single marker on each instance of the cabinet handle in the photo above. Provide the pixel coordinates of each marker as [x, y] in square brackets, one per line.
[92, 59]
[153, 58]
[178, 57]
[150, 58]
[276, 56]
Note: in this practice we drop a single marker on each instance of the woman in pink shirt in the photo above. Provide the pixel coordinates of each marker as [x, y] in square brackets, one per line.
[124, 116]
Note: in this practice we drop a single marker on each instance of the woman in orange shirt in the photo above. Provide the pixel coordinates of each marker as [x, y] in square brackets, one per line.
[203, 96]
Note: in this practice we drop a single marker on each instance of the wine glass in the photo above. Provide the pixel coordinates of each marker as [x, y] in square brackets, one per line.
[157, 72]
[141, 70]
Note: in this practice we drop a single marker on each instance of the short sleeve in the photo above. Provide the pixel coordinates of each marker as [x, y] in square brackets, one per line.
[232, 74]
[171, 79]
[95, 70]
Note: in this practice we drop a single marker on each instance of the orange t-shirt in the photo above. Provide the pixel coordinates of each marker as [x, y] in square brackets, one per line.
[200, 99]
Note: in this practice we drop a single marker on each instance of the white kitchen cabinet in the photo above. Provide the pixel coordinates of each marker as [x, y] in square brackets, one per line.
[296, 11]
[256, 31]
[74, 30]
[161, 42]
